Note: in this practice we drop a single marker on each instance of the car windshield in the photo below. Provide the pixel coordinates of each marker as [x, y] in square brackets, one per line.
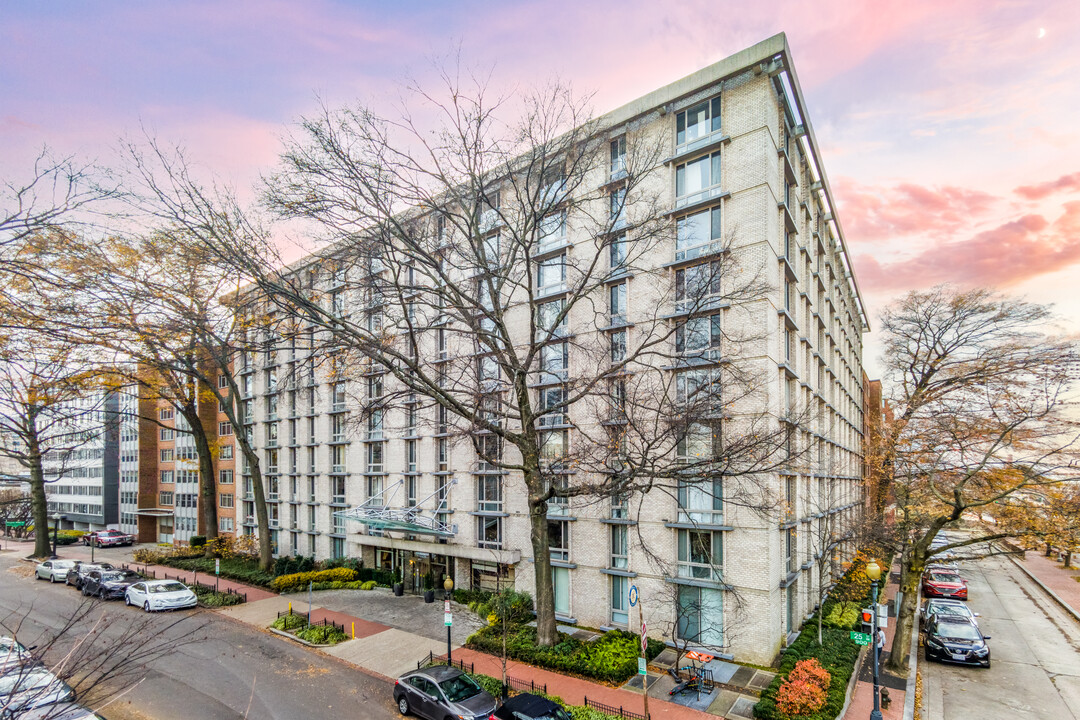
[958, 631]
[116, 576]
[459, 688]
[62, 564]
[167, 587]
[24, 681]
[945, 577]
[948, 609]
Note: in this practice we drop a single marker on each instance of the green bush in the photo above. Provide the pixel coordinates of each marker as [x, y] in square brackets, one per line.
[843, 615]
[321, 634]
[289, 622]
[197, 541]
[306, 564]
[369, 585]
[211, 598]
[465, 596]
[299, 581]
[385, 578]
[612, 658]
[342, 562]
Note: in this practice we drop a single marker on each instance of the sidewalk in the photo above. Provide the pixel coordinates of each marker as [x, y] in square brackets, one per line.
[1051, 574]
[862, 701]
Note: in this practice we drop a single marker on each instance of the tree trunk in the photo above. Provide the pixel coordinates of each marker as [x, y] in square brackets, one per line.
[39, 508]
[1068, 559]
[258, 498]
[546, 632]
[911, 574]
[207, 485]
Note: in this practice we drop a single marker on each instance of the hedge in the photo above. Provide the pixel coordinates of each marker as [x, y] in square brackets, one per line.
[298, 581]
[837, 654]
[612, 658]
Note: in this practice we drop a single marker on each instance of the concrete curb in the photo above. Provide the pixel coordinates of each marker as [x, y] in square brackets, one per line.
[913, 666]
[1053, 595]
[853, 680]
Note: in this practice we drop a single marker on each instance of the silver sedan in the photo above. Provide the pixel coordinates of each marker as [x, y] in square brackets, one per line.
[55, 570]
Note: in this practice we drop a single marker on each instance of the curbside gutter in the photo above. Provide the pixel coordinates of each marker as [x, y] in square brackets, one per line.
[1053, 595]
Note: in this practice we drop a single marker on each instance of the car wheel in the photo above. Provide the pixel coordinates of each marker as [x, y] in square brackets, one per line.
[52, 578]
[127, 600]
[146, 606]
[101, 594]
[403, 705]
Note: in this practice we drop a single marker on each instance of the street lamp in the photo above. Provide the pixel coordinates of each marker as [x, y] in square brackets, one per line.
[55, 532]
[448, 585]
[873, 571]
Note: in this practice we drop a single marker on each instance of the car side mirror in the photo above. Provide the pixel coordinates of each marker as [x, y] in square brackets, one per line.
[986, 637]
[976, 614]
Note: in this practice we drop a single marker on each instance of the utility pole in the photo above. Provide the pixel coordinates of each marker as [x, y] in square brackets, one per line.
[644, 655]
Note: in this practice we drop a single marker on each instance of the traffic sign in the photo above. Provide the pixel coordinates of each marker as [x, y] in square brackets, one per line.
[633, 595]
[448, 619]
[641, 666]
[16, 523]
[860, 638]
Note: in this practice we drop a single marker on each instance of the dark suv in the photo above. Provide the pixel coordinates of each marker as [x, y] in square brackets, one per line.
[109, 584]
[950, 638]
[440, 691]
[77, 575]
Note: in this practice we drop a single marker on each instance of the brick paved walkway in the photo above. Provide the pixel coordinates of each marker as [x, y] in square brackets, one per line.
[1054, 576]
[862, 701]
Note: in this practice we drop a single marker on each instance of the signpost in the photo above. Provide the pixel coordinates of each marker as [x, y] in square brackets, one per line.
[635, 599]
[860, 638]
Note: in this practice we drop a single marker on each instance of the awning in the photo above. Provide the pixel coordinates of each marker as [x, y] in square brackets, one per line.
[407, 519]
[154, 512]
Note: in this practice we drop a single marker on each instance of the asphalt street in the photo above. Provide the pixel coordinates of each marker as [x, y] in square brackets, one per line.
[212, 668]
[1035, 654]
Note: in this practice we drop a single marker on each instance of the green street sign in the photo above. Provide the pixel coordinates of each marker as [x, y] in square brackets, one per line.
[641, 666]
[860, 638]
[16, 523]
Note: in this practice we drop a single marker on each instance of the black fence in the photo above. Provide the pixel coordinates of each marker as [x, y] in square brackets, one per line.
[180, 578]
[524, 686]
[433, 659]
[325, 621]
[612, 710]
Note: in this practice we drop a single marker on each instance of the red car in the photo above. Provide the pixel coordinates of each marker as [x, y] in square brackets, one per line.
[944, 584]
[108, 538]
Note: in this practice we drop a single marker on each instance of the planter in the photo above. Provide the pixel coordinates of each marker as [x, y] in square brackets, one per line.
[429, 596]
[399, 589]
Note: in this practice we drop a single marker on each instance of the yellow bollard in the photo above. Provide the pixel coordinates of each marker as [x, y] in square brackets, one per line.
[354, 631]
[290, 607]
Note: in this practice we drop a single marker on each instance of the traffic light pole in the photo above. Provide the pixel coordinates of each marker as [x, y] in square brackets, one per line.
[875, 714]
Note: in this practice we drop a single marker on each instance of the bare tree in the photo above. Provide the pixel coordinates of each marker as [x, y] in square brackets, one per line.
[979, 394]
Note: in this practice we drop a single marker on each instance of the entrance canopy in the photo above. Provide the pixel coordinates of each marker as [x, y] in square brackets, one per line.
[154, 512]
[379, 513]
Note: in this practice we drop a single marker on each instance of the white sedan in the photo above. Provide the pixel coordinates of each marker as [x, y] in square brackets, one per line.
[153, 595]
[31, 688]
[55, 570]
[13, 654]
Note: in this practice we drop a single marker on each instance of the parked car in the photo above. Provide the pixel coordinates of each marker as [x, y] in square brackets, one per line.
[530, 707]
[153, 595]
[109, 584]
[54, 570]
[954, 639]
[941, 606]
[944, 584]
[60, 711]
[442, 691]
[108, 538]
[32, 688]
[13, 654]
[77, 575]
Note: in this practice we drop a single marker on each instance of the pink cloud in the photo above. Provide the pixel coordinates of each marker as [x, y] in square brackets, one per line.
[1065, 183]
[881, 214]
[1009, 254]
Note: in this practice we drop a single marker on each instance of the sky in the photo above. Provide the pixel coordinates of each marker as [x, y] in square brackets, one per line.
[949, 130]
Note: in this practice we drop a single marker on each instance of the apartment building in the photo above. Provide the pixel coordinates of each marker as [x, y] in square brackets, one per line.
[160, 491]
[82, 471]
[349, 473]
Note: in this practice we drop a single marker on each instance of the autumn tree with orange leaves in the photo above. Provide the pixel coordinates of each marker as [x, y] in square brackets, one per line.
[978, 386]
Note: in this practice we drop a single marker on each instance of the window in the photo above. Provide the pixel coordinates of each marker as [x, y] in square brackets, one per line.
[337, 458]
[375, 457]
[617, 303]
[551, 275]
[697, 180]
[224, 428]
[561, 581]
[337, 428]
[791, 550]
[699, 334]
[165, 414]
[620, 552]
[225, 477]
[696, 285]
[166, 433]
[618, 157]
[223, 381]
[166, 455]
[700, 554]
[226, 524]
[698, 234]
[700, 615]
[552, 405]
[698, 121]
[699, 443]
[225, 500]
[489, 493]
[554, 445]
[546, 316]
[165, 498]
[272, 435]
[489, 532]
[620, 600]
[337, 545]
[551, 231]
[338, 397]
[442, 451]
[559, 540]
[618, 346]
[410, 492]
[701, 500]
[410, 456]
[226, 452]
[617, 203]
[337, 490]
[617, 253]
[166, 476]
[617, 398]
[554, 362]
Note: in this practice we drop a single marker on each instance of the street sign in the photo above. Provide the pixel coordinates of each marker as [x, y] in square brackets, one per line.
[860, 638]
[641, 666]
[448, 619]
[633, 595]
[16, 523]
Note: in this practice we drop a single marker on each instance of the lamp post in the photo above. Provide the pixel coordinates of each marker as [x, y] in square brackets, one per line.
[873, 571]
[55, 532]
[448, 585]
